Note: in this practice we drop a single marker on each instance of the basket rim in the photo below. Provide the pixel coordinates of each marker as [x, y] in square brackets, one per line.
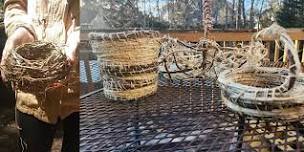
[227, 80]
[41, 44]
[123, 35]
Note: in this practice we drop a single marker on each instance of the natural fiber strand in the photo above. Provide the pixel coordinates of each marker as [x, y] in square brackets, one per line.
[250, 83]
[128, 63]
[267, 92]
[32, 67]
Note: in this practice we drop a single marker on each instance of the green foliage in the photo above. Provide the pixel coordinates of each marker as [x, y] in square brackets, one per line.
[291, 14]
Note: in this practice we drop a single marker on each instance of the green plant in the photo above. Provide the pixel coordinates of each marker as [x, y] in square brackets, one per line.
[291, 14]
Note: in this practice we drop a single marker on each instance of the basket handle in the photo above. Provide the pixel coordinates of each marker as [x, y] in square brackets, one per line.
[278, 33]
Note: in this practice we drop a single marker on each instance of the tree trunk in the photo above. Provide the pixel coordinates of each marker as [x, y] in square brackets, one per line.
[239, 14]
[216, 13]
[144, 19]
[187, 16]
[200, 16]
[260, 14]
[244, 13]
[233, 18]
[158, 11]
[226, 14]
[251, 15]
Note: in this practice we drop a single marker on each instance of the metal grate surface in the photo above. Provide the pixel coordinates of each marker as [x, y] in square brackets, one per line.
[182, 116]
[91, 81]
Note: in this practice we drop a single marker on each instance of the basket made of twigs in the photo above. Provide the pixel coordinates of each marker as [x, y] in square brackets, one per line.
[128, 63]
[32, 67]
[266, 92]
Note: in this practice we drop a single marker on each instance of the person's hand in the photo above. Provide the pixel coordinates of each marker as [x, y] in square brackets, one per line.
[72, 43]
[19, 37]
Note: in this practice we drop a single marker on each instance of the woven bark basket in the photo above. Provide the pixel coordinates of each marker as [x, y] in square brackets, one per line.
[128, 63]
[32, 67]
[267, 92]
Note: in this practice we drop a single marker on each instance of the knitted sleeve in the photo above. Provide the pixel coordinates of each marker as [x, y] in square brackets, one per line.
[15, 16]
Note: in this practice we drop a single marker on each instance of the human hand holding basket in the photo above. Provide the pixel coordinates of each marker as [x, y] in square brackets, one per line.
[32, 67]
[19, 37]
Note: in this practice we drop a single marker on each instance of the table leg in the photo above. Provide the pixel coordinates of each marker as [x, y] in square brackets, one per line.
[241, 130]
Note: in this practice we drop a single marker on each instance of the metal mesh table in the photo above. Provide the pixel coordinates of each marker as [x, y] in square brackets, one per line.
[182, 116]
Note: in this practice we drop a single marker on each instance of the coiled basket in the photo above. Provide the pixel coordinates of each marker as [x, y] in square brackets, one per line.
[128, 63]
[267, 92]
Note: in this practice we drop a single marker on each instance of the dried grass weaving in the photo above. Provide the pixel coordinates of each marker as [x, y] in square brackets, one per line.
[128, 63]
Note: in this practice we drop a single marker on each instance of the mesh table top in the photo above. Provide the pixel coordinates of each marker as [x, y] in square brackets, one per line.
[181, 116]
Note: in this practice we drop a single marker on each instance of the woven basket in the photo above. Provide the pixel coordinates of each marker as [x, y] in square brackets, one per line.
[32, 67]
[206, 59]
[263, 92]
[128, 63]
[267, 92]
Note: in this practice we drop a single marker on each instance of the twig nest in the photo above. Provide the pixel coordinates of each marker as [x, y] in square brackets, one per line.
[34, 66]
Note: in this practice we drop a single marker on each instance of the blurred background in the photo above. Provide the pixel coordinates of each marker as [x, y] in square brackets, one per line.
[189, 14]
[226, 20]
